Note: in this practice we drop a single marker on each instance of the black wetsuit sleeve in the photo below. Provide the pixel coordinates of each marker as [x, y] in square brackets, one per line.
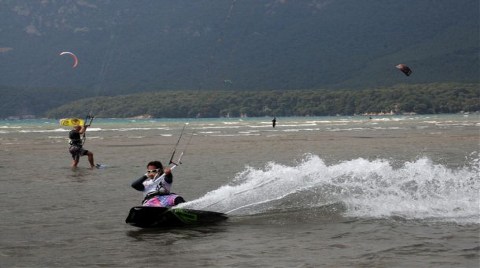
[169, 178]
[138, 184]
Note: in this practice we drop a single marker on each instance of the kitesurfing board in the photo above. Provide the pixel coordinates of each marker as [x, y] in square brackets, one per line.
[162, 217]
[70, 122]
[100, 166]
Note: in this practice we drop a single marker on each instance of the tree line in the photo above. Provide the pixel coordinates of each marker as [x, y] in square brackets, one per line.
[420, 99]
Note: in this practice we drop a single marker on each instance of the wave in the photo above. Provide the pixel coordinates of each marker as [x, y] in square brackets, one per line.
[380, 188]
[91, 129]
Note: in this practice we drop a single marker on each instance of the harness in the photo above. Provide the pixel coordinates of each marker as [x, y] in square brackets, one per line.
[163, 200]
[75, 139]
[153, 194]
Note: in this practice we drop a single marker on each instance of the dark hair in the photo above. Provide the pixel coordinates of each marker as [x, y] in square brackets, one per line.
[157, 164]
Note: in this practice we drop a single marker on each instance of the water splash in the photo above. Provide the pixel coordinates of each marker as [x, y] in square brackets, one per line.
[376, 188]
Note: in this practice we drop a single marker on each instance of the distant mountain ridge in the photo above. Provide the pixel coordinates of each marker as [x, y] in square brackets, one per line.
[133, 46]
[258, 44]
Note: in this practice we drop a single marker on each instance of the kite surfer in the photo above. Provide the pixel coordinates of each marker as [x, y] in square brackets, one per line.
[76, 146]
[156, 185]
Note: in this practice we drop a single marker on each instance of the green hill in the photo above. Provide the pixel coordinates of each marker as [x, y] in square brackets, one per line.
[421, 99]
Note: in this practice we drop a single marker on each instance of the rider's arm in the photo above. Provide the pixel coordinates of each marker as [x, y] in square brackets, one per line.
[168, 175]
[83, 129]
[138, 184]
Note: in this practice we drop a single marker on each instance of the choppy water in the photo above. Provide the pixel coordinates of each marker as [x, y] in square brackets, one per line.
[393, 191]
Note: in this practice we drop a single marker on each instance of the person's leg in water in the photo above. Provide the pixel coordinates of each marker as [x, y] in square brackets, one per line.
[76, 154]
[75, 161]
[90, 159]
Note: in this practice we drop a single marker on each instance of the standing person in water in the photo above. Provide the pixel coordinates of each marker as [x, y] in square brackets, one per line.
[76, 146]
[156, 185]
[274, 122]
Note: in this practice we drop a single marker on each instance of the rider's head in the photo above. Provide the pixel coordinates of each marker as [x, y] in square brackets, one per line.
[154, 168]
[156, 164]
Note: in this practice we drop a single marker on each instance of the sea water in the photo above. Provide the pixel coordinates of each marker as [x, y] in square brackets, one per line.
[390, 191]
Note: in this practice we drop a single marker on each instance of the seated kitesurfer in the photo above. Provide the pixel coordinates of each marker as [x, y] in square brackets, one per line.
[76, 146]
[156, 185]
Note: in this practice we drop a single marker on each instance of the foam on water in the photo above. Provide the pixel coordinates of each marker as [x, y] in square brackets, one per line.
[380, 188]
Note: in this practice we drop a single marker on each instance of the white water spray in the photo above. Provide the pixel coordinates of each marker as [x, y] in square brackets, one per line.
[419, 189]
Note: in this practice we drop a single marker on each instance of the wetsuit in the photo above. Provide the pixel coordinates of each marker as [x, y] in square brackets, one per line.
[156, 191]
[76, 145]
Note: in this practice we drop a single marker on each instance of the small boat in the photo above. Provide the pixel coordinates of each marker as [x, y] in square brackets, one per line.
[171, 217]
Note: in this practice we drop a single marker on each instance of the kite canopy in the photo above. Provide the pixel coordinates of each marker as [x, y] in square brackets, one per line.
[75, 59]
[405, 69]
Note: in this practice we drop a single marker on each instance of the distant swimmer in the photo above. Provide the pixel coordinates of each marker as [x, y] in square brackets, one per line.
[274, 121]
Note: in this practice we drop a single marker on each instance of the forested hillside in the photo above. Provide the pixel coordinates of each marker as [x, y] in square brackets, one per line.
[421, 99]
